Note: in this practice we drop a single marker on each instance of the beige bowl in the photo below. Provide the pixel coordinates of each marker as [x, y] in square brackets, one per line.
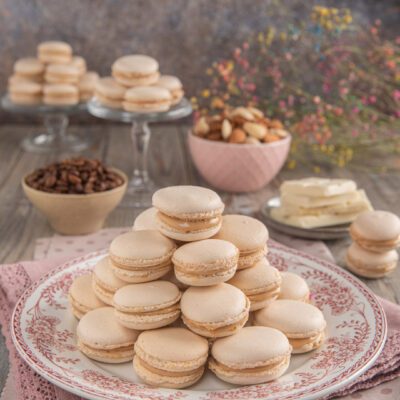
[76, 214]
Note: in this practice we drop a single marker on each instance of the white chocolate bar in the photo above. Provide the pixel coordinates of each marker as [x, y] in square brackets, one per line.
[318, 187]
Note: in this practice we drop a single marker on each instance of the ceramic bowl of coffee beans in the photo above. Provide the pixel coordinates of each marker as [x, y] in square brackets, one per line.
[239, 149]
[76, 195]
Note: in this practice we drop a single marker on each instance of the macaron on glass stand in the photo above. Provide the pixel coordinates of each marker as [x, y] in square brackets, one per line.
[140, 187]
[55, 119]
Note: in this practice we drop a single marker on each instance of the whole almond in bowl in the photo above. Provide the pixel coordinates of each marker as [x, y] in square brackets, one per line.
[75, 195]
[239, 150]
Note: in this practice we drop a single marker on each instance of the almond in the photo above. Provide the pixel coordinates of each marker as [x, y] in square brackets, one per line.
[252, 140]
[226, 129]
[201, 128]
[256, 112]
[238, 136]
[279, 132]
[214, 136]
[243, 113]
[276, 124]
[271, 138]
[255, 129]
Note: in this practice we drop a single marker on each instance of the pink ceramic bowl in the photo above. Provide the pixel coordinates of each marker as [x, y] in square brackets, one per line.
[238, 167]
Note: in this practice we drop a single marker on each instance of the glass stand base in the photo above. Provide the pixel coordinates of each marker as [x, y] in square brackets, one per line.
[139, 194]
[46, 143]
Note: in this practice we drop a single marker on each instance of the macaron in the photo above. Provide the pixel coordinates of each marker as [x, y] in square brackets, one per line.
[82, 297]
[215, 311]
[147, 305]
[254, 355]
[260, 283]
[14, 79]
[171, 277]
[80, 63]
[147, 99]
[377, 231]
[109, 92]
[104, 282]
[141, 256]
[54, 52]
[135, 70]
[86, 85]
[102, 338]
[248, 234]
[302, 323]
[29, 68]
[206, 262]
[25, 93]
[60, 94]
[369, 264]
[188, 213]
[294, 287]
[174, 85]
[62, 73]
[146, 220]
[170, 357]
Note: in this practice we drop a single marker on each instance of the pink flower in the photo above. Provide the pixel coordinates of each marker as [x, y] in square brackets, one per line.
[355, 110]
[372, 99]
[288, 56]
[316, 99]
[290, 100]
[282, 104]
[245, 45]
[354, 133]
[343, 91]
[396, 95]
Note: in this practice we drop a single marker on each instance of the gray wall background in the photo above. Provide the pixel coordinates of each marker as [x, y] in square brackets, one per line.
[184, 35]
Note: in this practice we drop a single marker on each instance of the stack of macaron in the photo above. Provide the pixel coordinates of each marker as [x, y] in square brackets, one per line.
[54, 77]
[376, 236]
[137, 86]
[186, 280]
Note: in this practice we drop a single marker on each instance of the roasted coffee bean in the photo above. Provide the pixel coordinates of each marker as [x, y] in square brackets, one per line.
[75, 176]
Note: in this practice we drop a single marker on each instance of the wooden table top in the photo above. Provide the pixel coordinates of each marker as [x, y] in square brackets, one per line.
[170, 164]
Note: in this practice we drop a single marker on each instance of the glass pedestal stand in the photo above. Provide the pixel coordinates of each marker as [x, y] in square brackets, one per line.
[55, 137]
[140, 187]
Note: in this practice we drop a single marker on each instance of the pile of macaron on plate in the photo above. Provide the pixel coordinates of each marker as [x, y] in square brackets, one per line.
[238, 149]
[137, 86]
[189, 289]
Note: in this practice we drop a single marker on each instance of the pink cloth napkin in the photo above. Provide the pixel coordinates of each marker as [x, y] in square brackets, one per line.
[23, 383]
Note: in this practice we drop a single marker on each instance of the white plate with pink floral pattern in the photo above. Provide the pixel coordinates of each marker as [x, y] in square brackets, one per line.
[43, 331]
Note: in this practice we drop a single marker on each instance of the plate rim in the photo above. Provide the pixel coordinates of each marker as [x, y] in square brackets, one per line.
[332, 387]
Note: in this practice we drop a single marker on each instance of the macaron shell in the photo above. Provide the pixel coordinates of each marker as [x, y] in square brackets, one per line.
[188, 202]
[146, 220]
[246, 233]
[141, 248]
[29, 66]
[249, 259]
[369, 260]
[112, 335]
[295, 319]
[210, 279]
[146, 274]
[113, 356]
[294, 287]
[136, 64]
[109, 88]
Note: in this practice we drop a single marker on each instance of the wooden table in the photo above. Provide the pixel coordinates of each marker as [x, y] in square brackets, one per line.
[170, 164]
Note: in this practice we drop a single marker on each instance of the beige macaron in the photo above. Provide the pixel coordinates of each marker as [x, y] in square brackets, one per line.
[260, 283]
[80, 63]
[62, 73]
[148, 305]
[174, 85]
[206, 262]
[294, 287]
[135, 70]
[146, 220]
[26, 93]
[215, 311]
[54, 52]
[29, 68]
[60, 94]
[248, 234]
[369, 264]
[170, 357]
[102, 338]
[109, 92]
[302, 323]
[188, 213]
[82, 297]
[147, 99]
[254, 355]
[86, 85]
[104, 281]
[141, 256]
[377, 231]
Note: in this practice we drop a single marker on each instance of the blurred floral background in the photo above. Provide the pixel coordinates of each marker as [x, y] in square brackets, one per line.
[333, 79]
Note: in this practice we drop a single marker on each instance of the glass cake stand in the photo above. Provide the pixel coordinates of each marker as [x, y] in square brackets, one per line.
[56, 119]
[140, 187]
